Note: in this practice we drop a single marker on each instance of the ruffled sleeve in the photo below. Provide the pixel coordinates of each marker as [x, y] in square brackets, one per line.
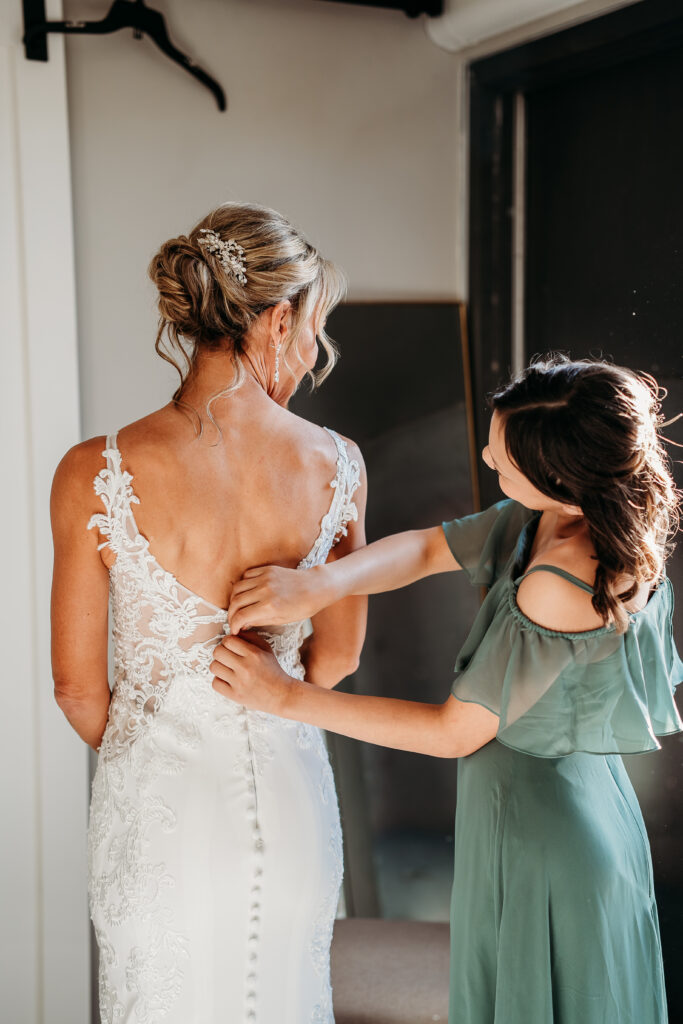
[556, 693]
[483, 542]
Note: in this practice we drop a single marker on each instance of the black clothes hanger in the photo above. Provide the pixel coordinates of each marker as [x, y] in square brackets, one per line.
[122, 14]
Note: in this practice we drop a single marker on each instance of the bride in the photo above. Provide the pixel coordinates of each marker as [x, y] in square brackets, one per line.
[215, 855]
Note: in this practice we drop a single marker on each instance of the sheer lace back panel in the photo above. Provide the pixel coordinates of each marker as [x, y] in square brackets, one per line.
[164, 632]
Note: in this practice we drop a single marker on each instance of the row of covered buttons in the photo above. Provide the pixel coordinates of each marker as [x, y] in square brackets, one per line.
[255, 891]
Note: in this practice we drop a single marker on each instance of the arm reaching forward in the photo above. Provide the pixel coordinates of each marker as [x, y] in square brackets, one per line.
[248, 673]
[271, 595]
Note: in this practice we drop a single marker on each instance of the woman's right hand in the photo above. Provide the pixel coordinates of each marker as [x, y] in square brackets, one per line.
[273, 596]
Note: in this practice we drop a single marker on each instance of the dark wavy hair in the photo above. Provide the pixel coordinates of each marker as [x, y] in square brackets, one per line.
[585, 432]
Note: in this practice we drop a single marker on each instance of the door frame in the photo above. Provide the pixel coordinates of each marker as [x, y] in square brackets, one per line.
[44, 931]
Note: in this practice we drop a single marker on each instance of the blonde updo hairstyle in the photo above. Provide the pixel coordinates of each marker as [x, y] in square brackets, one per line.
[204, 307]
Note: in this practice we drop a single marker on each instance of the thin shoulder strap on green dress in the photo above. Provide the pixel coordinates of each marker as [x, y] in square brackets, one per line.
[562, 572]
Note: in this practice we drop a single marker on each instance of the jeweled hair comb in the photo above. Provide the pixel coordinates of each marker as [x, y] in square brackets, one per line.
[229, 252]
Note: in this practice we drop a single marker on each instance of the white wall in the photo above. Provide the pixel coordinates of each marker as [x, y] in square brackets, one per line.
[341, 117]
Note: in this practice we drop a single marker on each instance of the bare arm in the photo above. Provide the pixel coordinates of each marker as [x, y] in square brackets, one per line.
[80, 594]
[271, 594]
[333, 650]
[251, 676]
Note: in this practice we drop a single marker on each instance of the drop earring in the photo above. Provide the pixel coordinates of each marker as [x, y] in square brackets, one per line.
[277, 362]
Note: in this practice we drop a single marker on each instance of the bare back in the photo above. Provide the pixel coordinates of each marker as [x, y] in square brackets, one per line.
[211, 510]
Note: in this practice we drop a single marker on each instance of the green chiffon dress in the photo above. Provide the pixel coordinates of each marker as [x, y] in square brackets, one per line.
[553, 916]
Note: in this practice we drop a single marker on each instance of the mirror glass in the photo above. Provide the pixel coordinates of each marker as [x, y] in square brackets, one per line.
[399, 392]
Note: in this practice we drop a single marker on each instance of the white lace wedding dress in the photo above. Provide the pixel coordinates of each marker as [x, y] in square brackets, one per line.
[215, 850]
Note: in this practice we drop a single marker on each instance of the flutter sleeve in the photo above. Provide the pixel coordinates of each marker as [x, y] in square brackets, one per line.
[483, 542]
[556, 693]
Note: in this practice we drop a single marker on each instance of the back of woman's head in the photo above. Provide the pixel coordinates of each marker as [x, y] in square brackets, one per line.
[203, 301]
[584, 432]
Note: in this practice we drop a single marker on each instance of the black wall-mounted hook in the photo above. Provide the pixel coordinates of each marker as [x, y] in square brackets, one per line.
[133, 14]
[34, 14]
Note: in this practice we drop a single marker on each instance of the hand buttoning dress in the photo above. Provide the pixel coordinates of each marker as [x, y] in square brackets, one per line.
[215, 849]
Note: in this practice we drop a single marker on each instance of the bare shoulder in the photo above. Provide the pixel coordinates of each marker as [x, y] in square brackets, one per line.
[72, 497]
[78, 467]
[314, 440]
[555, 603]
[154, 439]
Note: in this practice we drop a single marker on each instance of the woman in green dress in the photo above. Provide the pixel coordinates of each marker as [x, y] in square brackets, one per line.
[569, 664]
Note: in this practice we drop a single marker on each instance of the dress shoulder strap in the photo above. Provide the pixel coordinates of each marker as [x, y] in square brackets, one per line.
[346, 481]
[111, 451]
[112, 485]
[342, 452]
[561, 572]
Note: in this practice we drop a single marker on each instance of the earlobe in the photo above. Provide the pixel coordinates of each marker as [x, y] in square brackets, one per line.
[572, 510]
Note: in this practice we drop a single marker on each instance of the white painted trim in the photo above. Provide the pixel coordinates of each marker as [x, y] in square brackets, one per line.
[478, 27]
[20, 922]
[44, 931]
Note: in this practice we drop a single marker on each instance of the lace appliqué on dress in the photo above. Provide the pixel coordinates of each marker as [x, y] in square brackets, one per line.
[161, 637]
[342, 511]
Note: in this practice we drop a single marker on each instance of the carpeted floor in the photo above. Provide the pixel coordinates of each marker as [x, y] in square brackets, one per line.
[389, 972]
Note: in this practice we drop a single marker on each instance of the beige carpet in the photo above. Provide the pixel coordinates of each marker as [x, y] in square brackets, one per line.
[389, 972]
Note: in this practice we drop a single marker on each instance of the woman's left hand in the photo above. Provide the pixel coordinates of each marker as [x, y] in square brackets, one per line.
[248, 672]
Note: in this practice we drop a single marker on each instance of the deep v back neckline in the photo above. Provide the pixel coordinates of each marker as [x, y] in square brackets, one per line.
[111, 444]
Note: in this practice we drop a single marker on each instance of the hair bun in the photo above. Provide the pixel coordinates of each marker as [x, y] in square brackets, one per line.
[238, 261]
[169, 270]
